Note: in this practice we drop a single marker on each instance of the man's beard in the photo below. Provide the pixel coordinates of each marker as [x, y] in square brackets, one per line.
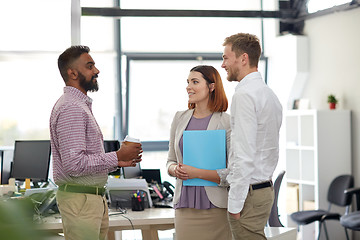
[91, 85]
[232, 75]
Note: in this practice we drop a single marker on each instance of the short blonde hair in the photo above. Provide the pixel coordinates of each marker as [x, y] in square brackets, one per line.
[245, 43]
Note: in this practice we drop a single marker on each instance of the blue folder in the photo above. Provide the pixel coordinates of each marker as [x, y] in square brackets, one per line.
[205, 149]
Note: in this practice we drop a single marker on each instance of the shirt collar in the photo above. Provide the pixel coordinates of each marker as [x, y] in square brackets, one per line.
[78, 94]
[248, 78]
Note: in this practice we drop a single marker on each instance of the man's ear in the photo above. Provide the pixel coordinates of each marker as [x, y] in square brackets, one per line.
[244, 58]
[72, 73]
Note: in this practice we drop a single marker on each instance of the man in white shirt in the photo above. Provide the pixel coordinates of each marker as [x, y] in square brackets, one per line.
[256, 116]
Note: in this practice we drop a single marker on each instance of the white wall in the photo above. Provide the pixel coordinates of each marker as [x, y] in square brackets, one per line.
[334, 58]
[333, 47]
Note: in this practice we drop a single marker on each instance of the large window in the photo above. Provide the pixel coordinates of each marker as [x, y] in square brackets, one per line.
[33, 34]
[30, 82]
[30, 86]
[164, 34]
[156, 87]
[158, 91]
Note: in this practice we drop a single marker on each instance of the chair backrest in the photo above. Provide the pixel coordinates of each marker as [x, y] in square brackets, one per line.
[336, 190]
[274, 220]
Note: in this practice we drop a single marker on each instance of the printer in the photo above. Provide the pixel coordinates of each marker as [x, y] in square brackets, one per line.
[120, 191]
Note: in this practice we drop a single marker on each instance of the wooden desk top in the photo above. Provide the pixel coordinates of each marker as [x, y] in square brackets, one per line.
[154, 219]
[148, 217]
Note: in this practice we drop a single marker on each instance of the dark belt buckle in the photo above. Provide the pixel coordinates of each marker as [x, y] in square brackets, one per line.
[261, 185]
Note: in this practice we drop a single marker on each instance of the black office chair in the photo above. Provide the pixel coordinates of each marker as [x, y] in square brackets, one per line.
[352, 220]
[335, 196]
[274, 220]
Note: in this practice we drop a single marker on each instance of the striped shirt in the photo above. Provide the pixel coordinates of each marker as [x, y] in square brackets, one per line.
[77, 142]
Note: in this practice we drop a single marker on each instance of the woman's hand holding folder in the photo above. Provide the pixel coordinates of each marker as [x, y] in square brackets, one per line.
[180, 173]
[186, 172]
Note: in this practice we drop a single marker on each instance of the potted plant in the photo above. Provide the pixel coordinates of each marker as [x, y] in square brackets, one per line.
[332, 101]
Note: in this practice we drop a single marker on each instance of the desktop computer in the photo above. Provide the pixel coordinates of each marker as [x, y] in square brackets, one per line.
[31, 161]
[6, 165]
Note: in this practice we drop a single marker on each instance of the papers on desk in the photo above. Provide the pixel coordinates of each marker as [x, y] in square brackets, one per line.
[205, 149]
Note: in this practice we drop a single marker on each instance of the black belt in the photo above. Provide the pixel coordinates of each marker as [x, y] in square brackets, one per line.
[261, 185]
[82, 189]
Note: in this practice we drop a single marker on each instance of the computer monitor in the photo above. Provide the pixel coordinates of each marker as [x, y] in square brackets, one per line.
[132, 172]
[6, 165]
[111, 146]
[31, 160]
[151, 175]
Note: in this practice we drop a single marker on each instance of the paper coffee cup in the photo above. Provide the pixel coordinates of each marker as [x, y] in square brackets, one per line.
[129, 140]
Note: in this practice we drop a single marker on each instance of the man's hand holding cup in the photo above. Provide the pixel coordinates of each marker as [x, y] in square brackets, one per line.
[130, 152]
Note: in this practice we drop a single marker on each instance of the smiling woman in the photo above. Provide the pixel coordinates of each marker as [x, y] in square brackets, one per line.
[215, 97]
[199, 91]
[200, 209]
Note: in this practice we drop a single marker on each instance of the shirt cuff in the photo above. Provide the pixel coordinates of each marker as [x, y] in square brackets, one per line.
[222, 175]
[235, 205]
[113, 161]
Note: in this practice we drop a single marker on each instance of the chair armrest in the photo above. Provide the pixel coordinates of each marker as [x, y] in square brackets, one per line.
[330, 216]
[352, 191]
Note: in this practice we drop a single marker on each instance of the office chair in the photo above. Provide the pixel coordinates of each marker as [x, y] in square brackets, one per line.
[335, 196]
[352, 220]
[274, 220]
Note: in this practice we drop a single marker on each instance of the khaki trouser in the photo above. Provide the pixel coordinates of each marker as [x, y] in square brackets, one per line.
[254, 215]
[84, 216]
[202, 224]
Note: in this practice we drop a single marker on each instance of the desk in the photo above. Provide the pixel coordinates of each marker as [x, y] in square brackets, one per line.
[148, 221]
[151, 220]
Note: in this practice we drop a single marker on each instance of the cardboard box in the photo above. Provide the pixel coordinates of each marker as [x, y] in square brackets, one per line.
[292, 198]
[308, 205]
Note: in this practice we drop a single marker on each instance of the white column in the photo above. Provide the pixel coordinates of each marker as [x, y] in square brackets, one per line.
[75, 22]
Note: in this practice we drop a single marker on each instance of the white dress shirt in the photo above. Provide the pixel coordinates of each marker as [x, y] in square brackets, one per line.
[256, 116]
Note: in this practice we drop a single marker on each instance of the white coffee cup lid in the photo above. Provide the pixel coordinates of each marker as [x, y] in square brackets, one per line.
[131, 139]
